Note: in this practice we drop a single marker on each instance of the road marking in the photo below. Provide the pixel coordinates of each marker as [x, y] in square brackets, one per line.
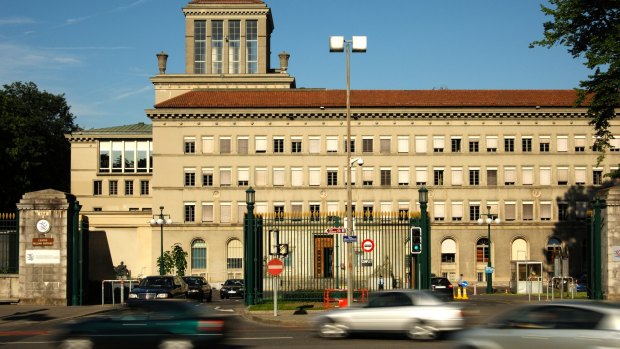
[261, 338]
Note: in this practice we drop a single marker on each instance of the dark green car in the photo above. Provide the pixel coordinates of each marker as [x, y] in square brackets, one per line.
[147, 324]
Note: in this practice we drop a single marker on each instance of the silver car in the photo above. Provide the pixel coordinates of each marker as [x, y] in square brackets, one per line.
[550, 325]
[418, 314]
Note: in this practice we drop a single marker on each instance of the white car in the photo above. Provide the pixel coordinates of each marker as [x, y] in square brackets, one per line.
[571, 325]
[418, 314]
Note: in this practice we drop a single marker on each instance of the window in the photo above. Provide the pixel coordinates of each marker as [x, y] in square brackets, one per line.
[225, 212]
[332, 144]
[243, 177]
[190, 145]
[474, 211]
[353, 174]
[234, 47]
[278, 145]
[234, 254]
[217, 46]
[243, 145]
[403, 176]
[123, 155]
[368, 212]
[448, 251]
[314, 146]
[332, 177]
[562, 175]
[581, 208]
[225, 177]
[386, 207]
[509, 144]
[510, 175]
[144, 187]
[457, 211]
[457, 176]
[189, 212]
[420, 144]
[128, 187]
[242, 209]
[189, 177]
[562, 142]
[278, 176]
[510, 211]
[386, 145]
[527, 175]
[519, 250]
[278, 209]
[491, 176]
[315, 176]
[597, 177]
[528, 211]
[403, 211]
[113, 189]
[200, 46]
[614, 144]
[456, 144]
[562, 211]
[207, 145]
[439, 211]
[545, 210]
[367, 144]
[580, 175]
[297, 177]
[97, 188]
[260, 178]
[545, 176]
[474, 177]
[474, 144]
[296, 211]
[386, 177]
[352, 143]
[260, 144]
[207, 177]
[296, 145]
[251, 43]
[438, 144]
[491, 144]
[367, 176]
[580, 144]
[129, 157]
[544, 144]
[403, 144]
[315, 211]
[482, 250]
[420, 175]
[438, 176]
[199, 254]
[207, 212]
[526, 144]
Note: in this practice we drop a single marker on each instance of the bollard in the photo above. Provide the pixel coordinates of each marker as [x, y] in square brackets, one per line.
[475, 290]
[458, 294]
[465, 293]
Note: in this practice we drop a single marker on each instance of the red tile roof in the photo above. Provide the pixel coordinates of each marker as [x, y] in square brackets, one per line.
[309, 98]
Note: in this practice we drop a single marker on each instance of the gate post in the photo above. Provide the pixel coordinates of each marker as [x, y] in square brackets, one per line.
[595, 277]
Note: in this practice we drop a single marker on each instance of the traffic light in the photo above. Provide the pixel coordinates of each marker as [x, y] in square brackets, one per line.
[416, 240]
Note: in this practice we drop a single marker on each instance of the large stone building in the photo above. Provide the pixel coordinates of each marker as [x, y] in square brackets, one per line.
[230, 121]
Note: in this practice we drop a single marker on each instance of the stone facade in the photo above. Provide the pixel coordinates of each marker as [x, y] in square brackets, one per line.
[610, 249]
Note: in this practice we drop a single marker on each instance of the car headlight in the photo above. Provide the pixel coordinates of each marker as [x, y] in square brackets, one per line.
[162, 295]
[133, 296]
[192, 291]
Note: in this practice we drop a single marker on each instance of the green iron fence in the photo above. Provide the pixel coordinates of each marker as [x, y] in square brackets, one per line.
[9, 243]
[315, 258]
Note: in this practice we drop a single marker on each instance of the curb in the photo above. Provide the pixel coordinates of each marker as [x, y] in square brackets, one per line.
[280, 320]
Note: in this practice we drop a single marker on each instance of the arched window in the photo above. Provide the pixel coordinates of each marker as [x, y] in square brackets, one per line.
[482, 250]
[519, 250]
[448, 251]
[234, 254]
[554, 249]
[199, 254]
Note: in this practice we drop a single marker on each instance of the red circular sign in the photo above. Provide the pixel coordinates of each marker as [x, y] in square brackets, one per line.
[368, 245]
[275, 267]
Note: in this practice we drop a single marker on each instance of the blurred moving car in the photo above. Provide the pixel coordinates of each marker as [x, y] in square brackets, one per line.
[571, 325]
[198, 288]
[442, 287]
[146, 324]
[159, 287]
[418, 314]
[232, 288]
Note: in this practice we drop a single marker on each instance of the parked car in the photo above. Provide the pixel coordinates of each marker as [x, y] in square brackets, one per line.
[198, 288]
[443, 288]
[232, 288]
[418, 314]
[155, 323]
[159, 287]
[570, 325]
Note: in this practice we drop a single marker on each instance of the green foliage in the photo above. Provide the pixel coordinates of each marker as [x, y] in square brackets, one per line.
[175, 261]
[590, 30]
[33, 150]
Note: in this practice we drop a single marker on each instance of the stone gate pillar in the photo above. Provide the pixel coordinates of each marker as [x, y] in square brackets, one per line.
[43, 225]
[610, 239]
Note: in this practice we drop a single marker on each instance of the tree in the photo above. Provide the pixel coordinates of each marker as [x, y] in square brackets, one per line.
[34, 153]
[590, 29]
[174, 261]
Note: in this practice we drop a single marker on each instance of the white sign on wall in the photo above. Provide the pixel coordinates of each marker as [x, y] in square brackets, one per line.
[42, 256]
[615, 253]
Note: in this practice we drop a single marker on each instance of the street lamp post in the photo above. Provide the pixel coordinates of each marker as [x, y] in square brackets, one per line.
[357, 44]
[491, 218]
[423, 262]
[161, 219]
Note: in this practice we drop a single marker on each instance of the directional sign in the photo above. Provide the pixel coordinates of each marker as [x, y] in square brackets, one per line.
[368, 245]
[464, 283]
[352, 238]
[335, 230]
[275, 267]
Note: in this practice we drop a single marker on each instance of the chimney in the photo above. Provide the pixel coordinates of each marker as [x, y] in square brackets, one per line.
[162, 60]
[284, 62]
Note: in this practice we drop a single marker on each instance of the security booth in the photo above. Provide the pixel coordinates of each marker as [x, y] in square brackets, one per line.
[526, 277]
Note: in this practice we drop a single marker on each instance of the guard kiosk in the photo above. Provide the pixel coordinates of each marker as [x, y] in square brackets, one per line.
[526, 277]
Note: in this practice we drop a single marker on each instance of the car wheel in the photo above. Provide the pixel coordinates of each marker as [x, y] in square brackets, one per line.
[76, 343]
[209, 298]
[420, 331]
[331, 329]
[176, 344]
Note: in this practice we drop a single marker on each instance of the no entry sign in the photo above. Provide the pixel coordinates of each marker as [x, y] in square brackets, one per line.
[275, 267]
[368, 245]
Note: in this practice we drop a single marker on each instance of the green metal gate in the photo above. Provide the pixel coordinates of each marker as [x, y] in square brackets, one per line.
[315, 254]
[9, 243]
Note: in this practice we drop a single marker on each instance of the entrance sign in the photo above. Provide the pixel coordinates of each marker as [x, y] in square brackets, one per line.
[275, 267]
[335, 230]
[368, 245]
[42, 256]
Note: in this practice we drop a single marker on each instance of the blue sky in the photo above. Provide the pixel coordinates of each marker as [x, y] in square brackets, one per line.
[100, 54]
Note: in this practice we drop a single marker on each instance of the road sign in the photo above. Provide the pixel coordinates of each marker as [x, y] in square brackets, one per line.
[275, 267]
[464, 283]
[368, 245]
[352, 238]
[335, 230]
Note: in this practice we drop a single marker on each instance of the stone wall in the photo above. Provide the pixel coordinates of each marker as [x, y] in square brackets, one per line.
[9, 288]
[610, 249]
